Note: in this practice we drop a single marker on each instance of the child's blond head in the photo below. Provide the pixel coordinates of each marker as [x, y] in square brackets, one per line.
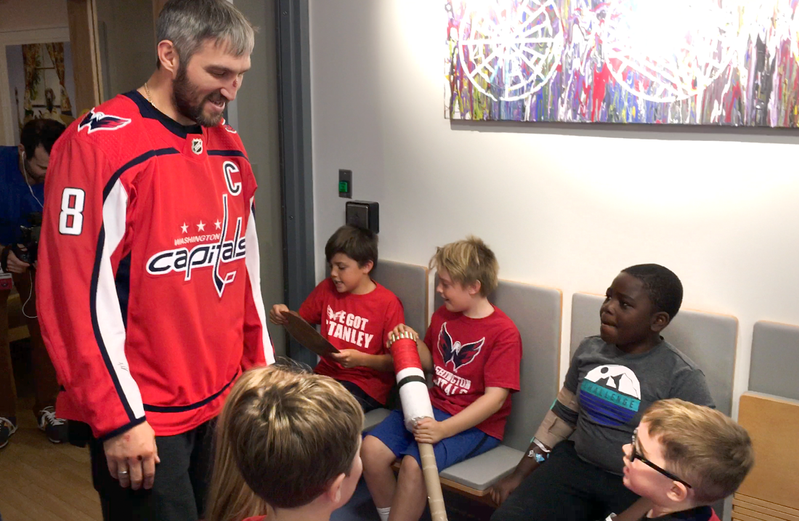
[291, 433]
[468, 261]
[703, 446]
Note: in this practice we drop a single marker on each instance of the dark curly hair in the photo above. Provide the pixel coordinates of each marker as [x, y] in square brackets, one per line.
[661, 284]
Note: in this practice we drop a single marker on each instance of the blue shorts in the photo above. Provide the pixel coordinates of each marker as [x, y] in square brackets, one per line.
[449, 451]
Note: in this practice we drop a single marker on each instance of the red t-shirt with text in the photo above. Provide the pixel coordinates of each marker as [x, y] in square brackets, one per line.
[360, 322]
[470, 355]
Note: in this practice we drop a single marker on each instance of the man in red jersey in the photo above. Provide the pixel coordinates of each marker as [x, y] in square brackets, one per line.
[150, 298]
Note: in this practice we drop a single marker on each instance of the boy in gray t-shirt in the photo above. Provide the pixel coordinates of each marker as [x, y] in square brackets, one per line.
[612, 379]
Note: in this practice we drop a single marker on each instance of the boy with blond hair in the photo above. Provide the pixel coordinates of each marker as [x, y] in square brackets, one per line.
[294, 438]
[356, 314]
[474, 353]
[684, 457]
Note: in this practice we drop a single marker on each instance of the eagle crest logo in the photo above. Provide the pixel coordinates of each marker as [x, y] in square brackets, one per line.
[455, 353]
[99, 121]
[335, 316]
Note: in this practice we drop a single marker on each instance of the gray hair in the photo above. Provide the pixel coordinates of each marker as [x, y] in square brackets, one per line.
[189, 23]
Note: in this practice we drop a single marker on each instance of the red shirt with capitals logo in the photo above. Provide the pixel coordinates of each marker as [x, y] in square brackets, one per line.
[148, 283]
[470, 355]
[360, 322]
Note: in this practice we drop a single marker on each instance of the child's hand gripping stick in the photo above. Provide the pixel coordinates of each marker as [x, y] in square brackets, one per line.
[416, 405]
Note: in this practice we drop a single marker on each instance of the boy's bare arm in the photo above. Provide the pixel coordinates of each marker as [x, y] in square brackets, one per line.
[553, 430]
[429, 430]
[424, 356]
[382, 363]
[354, 358]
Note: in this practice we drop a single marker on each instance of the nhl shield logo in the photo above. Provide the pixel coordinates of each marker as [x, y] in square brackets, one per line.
[197, 146]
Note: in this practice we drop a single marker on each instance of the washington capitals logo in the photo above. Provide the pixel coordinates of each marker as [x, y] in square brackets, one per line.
[456, 353]
[100, 121]
[204, 255]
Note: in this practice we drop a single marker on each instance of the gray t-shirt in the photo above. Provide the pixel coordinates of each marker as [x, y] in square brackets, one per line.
[615, 388]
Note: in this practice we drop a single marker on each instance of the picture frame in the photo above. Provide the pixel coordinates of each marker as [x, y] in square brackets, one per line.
[11, 105]
[732, 63]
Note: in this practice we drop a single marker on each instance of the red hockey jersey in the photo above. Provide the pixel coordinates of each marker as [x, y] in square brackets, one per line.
[148, 284]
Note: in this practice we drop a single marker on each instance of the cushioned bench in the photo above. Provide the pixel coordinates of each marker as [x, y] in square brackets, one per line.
[708, 339]
[409, 283]
[537, 313]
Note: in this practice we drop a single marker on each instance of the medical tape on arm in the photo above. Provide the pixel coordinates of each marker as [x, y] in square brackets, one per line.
[554, 429]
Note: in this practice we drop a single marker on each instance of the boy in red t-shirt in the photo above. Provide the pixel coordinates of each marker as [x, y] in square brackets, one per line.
[356, 314]
[475, 352]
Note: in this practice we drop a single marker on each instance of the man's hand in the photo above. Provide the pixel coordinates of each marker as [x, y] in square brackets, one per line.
[500, 490]
[276, 314]
[132, 457]
[15, 265]
[428, 430]
[349, 358]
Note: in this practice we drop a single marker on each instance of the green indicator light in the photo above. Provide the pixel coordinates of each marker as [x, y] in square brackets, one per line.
[343, 187]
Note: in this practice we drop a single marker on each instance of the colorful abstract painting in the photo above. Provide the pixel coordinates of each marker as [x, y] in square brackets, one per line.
[694, 62]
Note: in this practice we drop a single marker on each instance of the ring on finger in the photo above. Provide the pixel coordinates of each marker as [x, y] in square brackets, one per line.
[122, 472]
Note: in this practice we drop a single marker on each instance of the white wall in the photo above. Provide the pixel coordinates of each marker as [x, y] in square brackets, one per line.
[562, 206]
[127, 44]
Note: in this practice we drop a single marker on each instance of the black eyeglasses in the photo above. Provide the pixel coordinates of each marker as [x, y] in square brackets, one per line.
[638, 455]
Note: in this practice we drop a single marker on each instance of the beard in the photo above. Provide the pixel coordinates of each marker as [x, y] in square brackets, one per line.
[37, 179]
[185, 94]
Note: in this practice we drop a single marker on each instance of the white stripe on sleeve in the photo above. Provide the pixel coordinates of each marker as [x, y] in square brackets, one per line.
[109, 313]
[253, 263]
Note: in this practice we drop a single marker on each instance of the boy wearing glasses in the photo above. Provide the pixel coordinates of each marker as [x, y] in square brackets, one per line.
[684, 457]
[573, 468]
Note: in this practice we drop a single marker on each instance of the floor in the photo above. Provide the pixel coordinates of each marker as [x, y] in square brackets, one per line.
[43, 481]
[459, 508]
[38, 479]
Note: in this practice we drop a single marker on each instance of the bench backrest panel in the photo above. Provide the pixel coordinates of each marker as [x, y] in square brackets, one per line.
[775, 360]
[409, 283]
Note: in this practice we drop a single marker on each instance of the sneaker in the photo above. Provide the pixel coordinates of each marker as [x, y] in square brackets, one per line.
[8, 426]
[54, 427]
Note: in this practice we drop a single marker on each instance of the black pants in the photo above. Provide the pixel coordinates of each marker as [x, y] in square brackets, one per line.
[181, 480]
[566, 488]
[367, 402]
